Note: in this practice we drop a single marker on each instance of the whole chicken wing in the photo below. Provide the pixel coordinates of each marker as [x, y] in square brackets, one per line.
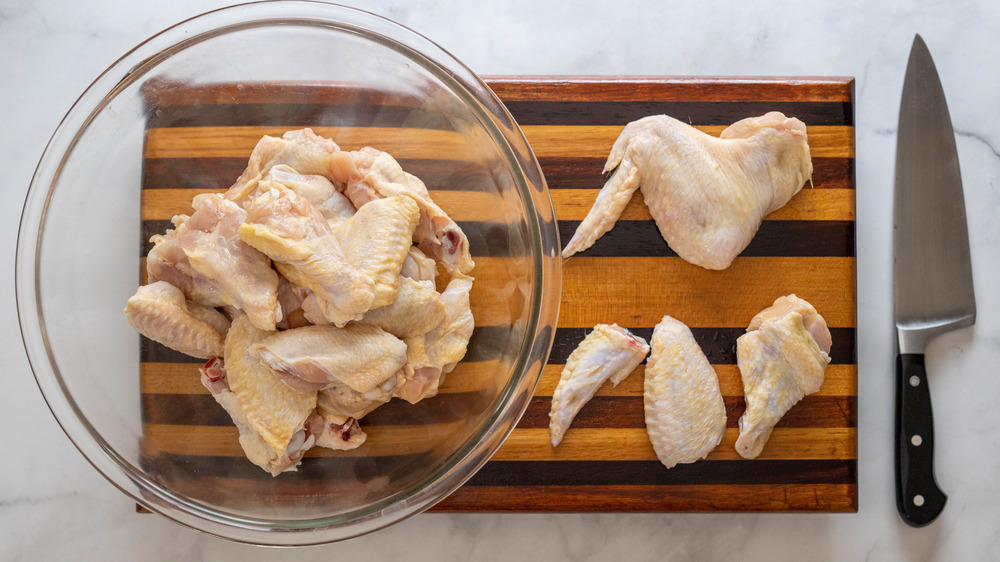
[608, 352]
[707, 195]
[685, 413]
[782, 358]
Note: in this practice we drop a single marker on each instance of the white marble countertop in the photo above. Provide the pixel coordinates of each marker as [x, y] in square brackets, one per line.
[53, 505]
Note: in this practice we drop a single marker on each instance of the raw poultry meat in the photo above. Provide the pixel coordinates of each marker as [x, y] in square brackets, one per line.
[214, 377]
[429, 357]
[707, 195]
[272, 409]
[418, 266]
[685, 413]
[782, 358]
[317, 357]
[317, 189]
[340, 402]
[166, 261]
[159, 312]
[608, 352]
[337, 436]
[302, 150]
[417, 309]
[377, 239]
[289, 230]
[242, 274]
[372, 174]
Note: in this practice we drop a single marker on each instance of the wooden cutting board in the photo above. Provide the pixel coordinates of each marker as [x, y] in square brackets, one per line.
[630, 277]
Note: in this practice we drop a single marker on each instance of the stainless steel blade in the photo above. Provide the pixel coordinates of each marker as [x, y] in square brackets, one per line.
[933, 270]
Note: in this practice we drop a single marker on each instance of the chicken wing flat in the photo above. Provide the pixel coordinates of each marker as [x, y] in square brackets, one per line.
[685, 412]
[782, 358]
[159, 312]
[608, 352]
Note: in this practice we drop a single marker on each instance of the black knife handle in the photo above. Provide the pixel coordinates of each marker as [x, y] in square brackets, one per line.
[918, 497]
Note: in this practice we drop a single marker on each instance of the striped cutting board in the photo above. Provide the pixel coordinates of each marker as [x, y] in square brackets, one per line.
[629, 276]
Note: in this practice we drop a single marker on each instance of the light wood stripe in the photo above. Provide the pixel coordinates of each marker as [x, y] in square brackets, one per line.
[223, 441]
[183, 378]
[570, 204]
[565, 141]
[619, 444]
[547, 141]
[599, 290]
[840, 380]
[632, 444]
[649, 498]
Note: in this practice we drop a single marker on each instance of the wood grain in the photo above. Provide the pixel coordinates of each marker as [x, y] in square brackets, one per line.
[198, 142]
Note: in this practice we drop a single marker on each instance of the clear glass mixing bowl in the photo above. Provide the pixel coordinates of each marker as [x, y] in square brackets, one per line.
[181, 107]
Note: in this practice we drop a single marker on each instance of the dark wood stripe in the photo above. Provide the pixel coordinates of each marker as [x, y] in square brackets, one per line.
[171, 466]
[673, 88]
[490, 342]
[220, 173]
[364, 114]
[773, 239]
[718, 344]
[640, 239]
[639, 473]
[201, 409]
[618, 498]
[557, 112]
[292, 115]
[627, 411]
[560, 173]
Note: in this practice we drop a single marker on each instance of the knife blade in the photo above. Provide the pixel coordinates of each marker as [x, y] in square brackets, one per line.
[932, 273]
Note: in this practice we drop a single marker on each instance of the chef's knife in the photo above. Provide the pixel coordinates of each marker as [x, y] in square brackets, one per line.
[933, 273]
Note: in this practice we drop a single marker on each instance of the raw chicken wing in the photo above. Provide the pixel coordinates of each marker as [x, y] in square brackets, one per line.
[685, 413]
[608, 352]
[167, 261]
[337, 436]
[243, 275]
[418, 309]
[431, 356]
[303, 150]
[214, 378]
[707, 195]
[372, 174]
[317, 357]
[159, 312]
[289, 230]
[340, 402]
[782, 358]
[274, 410]
[377, 239]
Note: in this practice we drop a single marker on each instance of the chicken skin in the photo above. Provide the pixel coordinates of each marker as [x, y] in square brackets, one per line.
[159, 312]
[302, 150]
[272, 409]
[417, 310]
[243, 275]
[371, 174]
[431, 356]
[289, 230]
[317, 357]
[685, 413]
[608, 352]
[782, 358]
[707, 195]
[167, 261]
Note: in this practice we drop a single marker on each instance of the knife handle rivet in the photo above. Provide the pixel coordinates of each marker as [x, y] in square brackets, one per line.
[918, 500]
[914, 380]
[916, 440]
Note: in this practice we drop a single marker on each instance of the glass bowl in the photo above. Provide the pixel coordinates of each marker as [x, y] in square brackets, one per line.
[178, 115]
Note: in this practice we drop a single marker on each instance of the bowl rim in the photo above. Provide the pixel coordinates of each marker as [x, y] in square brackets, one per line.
[538, 334]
